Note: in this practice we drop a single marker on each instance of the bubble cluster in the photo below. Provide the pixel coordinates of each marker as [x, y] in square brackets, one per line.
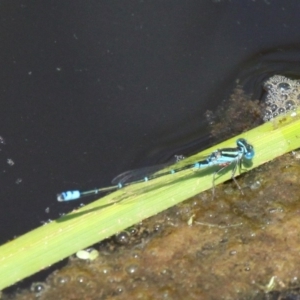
[283, 95]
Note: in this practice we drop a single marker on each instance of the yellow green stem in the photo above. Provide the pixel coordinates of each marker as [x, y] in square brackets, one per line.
[88, 225]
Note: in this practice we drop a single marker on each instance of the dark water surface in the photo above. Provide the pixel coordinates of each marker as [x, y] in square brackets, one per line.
[90, 89]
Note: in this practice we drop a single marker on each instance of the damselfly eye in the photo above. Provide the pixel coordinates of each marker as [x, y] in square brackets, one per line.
[249, 155]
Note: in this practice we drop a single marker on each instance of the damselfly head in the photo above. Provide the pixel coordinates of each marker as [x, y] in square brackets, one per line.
[246, 148]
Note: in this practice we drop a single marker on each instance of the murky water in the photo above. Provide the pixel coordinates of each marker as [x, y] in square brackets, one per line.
[89, 91]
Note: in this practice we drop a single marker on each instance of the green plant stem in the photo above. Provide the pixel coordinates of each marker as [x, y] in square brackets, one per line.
[48, 244]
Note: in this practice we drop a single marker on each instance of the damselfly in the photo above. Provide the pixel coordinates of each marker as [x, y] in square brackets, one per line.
[221, 157]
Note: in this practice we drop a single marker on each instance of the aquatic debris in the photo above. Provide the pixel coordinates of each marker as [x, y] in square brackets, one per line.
[283, 95]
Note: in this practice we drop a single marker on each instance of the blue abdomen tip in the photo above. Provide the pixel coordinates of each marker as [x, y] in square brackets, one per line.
[67, 196]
